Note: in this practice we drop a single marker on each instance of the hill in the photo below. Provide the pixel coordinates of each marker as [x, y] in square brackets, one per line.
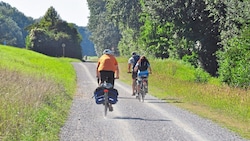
[86, 44]
[36, 94]
[13, 24]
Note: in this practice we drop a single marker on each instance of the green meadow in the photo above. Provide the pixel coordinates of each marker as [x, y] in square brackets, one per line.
[36, 92]
[180, 84]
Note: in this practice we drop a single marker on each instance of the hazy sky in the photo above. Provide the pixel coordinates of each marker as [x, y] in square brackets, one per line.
[72, 11]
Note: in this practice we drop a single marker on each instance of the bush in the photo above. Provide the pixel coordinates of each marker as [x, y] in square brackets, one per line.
[201, 75]
[235, 62]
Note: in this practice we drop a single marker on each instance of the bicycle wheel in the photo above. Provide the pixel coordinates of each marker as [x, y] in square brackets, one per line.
[106, 104]
[139, 96]
[143, 93]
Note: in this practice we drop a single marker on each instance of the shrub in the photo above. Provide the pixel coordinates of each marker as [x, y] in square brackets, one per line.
[201, 75]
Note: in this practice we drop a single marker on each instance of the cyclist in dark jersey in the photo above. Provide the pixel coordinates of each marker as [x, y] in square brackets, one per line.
[143, 69]
[131, 64]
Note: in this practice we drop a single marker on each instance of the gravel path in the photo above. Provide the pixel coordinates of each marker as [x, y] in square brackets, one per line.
[153, 120]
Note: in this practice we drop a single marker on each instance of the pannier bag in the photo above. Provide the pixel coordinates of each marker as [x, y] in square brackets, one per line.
[99, 95]
[113, 94]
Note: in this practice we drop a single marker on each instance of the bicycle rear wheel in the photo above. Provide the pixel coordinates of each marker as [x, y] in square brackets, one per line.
[106, 104]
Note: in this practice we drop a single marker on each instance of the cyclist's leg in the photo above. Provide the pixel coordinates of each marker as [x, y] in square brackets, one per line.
[107, 74]
[134, 75]
[102, 76]
[111, 79]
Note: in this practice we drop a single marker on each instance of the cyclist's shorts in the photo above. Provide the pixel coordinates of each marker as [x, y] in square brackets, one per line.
[143, 73]
[109, 75]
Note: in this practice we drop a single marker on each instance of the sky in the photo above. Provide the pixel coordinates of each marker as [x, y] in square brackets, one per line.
[72, 11]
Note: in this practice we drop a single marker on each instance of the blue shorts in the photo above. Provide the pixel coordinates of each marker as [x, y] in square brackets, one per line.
[143, 73]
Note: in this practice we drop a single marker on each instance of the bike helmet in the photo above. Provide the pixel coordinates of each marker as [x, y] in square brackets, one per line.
[107, 51]
[133, 53]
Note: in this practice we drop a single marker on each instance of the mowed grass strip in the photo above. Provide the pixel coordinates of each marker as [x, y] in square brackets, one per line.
[176, 83]
[35, 94]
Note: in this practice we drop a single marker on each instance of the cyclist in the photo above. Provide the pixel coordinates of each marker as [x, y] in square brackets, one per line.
[131, 64]
[107, 67]
[143, 69]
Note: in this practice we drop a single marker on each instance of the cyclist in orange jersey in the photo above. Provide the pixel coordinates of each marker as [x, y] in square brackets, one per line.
[107, 66]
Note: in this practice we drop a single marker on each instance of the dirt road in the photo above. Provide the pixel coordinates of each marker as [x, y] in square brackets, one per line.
[153, 120]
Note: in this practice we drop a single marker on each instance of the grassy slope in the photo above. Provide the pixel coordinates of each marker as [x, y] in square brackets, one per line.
[35, 96]
[176, 83]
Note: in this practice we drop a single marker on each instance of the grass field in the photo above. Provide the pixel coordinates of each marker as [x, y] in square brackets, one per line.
[182, 85]
[36, 92]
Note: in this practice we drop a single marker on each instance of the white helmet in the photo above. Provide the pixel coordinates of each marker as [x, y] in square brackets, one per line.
[107, 51]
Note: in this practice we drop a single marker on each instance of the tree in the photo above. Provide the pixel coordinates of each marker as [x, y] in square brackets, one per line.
[12, 25]
[54, 37]
[193, 31]
[104, 33]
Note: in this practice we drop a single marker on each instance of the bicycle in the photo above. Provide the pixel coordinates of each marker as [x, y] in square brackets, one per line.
[143, 87]
[105, 94]
[106, 102]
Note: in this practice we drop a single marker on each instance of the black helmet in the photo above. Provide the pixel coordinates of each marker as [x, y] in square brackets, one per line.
[133, 53]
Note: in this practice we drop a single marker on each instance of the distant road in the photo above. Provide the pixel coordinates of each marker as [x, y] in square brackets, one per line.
[153, 120]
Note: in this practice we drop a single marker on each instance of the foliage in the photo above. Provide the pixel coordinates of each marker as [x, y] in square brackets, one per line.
[104, 33]
[201, 76]
[190, 30]
[127, 43]
[157, 39]
[54, 37]
[125, 14]
[12, 26]
[235, 61]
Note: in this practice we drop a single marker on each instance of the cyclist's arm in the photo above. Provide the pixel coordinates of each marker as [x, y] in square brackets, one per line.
[136, 68]
[149, 70]
[129, 68]
[130, 63]
[117, 72]
[97, 72]
[116, 69]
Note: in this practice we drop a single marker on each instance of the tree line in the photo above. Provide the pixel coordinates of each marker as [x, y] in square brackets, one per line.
[49, 34]
[12, 26]
[209, 34]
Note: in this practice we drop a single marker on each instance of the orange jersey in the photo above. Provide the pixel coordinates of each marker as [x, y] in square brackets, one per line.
[107, 63]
